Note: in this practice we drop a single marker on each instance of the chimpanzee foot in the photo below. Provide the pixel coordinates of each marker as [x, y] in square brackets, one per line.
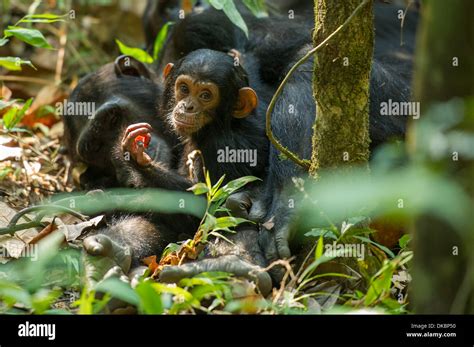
[103, 258]
[229, 263]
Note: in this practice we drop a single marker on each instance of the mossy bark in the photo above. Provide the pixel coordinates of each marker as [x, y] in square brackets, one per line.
[341, 85]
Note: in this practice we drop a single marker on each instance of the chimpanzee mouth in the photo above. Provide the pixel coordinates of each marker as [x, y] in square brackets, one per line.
[187, 120]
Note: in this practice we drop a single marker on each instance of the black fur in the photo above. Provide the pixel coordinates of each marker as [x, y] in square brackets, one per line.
[225, 130]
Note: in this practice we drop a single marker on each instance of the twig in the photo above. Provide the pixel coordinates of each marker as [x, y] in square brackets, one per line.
[26, 79]
[61, 51]
[288, 273]
[402, 23]
[15, 228]
[48, 208]
[289, 154]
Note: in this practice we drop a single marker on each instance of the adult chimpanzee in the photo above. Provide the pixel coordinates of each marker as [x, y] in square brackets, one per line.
[120, 93]
[123, 93]
[212, 29]
[293, 118]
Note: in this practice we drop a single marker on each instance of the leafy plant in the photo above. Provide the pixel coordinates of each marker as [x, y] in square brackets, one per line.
[15, 114]
[142, 55]
[32, 37]
[257, 7]
[216, 196]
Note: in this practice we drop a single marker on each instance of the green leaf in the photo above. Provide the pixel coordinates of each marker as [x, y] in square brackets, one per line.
[137, 53]
[14, 63]
[42, 18]
[5, 171]
[380, 285]
[199, 188]
[217, 185]
[216, 234]
[231, 12]
[218, 4]
[314, 265]
[3, 41]
[385, 249]
[42, 300]
[257, 7]
[13, 293]
[171, 247]
[32, 37]
[119, 290]
[208, 181]
[317, 232]
[403, 242]
[150, 300]
[238, 183]
[10, 118]
[160, 40]
[229, 222]
[209, 223]
[318, 252]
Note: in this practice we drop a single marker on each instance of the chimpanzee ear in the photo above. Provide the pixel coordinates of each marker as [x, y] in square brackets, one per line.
[128, 66]
[246, 103]
[167, 70]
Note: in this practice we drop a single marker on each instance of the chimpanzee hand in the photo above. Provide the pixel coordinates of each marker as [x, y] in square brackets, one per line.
[137, 149]
[228, 263]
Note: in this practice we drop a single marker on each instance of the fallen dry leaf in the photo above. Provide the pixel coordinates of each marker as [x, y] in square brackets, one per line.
[72, 232]
[43, 233]
[12, 246]
[10, 152]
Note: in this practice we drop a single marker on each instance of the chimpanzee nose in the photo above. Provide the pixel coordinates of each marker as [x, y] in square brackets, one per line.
[189, 108]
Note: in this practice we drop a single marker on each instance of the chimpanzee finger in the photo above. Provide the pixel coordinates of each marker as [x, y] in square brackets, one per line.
[239, 204]
[97, 245]
[142, 158]
[128, 140]
[230, 263]
[266, 242]
[281, 238]
[137, 126]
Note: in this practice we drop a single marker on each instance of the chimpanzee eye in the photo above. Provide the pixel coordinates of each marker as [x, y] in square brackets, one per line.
[183, 88]
[205, 96]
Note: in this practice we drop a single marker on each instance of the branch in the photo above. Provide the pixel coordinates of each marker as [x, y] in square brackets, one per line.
[289, 154]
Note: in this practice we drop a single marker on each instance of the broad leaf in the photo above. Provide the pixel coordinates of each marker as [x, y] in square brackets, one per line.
[199, 188]
[257, 7]
[10, 118]
[43, 18]
[32, 37]
[137, 53]
[231, 12]
[14, 63]
[160, 40]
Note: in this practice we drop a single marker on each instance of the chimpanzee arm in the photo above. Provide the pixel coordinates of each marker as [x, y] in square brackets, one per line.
[134, 168]
[243, 258]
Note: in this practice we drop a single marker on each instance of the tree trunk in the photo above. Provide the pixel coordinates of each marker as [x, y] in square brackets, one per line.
[443, 268]
[341, 85]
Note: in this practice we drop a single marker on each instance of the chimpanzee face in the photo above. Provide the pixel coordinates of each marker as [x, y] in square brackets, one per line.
[122, 93]
[196, 103]
[206, 88]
